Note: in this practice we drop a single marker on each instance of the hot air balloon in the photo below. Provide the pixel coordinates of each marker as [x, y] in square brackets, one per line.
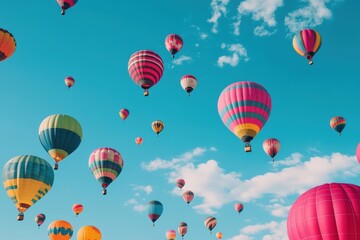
[154, 210]
[239, 207]
[138, 140]
[188, 196]
[145, 68]
[244, 108]
[65, 4]
[77, 208]
[326, 212]
[60, 230]
[124, 113]
[182, 229]
[39, 219]
[338, 124]
[358, 152]
[219, 235]
[157, 126]
[210, 223]
[60, 135]
[7, 44]
[173, 43]
[306, 43]
[88, 233]
[171, 235]
[106, 164]
[188, 83]
[180, 183]
[69, 81]
[26, 180]
[271, 147]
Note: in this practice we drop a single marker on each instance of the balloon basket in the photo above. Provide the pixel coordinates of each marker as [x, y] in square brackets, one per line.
[20, 217]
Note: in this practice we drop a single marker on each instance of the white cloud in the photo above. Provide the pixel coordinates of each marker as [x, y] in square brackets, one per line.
[237, 52]
[311, 15]
[135, 205]
[213, 149]
[181, 60]
[294, 159]
[260, 10]
[277, 231]
[147, 189]
[219, 9]
[203, 36]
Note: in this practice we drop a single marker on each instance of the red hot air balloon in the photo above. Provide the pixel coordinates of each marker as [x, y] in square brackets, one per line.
[138, 140]
[244, 108]
[180, 183]
[306, 43]
[239, 207]
[271, 147]
[77, 208]
[7, 44]
[65, 4]
[145, 68]
[173, 43]
[326, 212]
[69, 81]
[188, 196]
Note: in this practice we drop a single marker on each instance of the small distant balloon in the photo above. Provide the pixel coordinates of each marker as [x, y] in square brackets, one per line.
[171, 235]
[157, 126]
[271, 147]
[210, 223]
[306, 43]
[338, 124]
[69, 81]
[66, 4]
[219, 235]
[39, 219]
[7, 44]
[124, 113]
[138, 140]
[188, 196]
[239, 207]
[182, 229]
[77, 208]
[180, 183]
[188, 83]
[173, 43]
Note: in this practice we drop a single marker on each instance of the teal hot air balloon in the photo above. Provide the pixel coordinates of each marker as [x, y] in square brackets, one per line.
[26, 180]
[106, 164]
[60, 135]
[154, 210]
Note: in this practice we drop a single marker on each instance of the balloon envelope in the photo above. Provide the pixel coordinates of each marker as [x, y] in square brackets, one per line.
[77, 208]
[188, 83]
[210, 223]
[26, 180]
[271, 147]
[338, 124]
[39, 219]
[306, 43]
[66, 4]
[244, 108]
[7, 44]
[60, 230]
[171, 234]
[157, 126]
[182, 229]
[219, 235]
[106, 164]
[124, 113]
[188, 196]
[154, 209]
[358, 152]
[173, 43]
[326, 212]
[69, 81]
[88, 233]
[239, 207]
[180, 183]
[138, 140]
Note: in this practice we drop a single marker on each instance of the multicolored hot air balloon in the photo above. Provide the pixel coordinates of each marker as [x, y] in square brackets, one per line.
[271, 147]
[69, 81]
[124, 113]
[77, 208]
[306, 43]
[326, 212]
[138, 140]
[154, 210]
[106, 164]
[338, 124]
[26, 180]
[210, 223]
[182, 229]
[60, 135]
[239, 207]
[171, 235]
[60, 230]
[219, 235]
[188, 83]
[157, 126]
[145, 68]
[188, 196]
[88, 233]
[39, 219]
[180, 183]
[244, 108]
[65, 4]
[173, 43]
[7, 44]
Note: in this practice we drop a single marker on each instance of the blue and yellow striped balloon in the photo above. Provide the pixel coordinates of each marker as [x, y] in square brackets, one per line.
[26, 180]
[60, 135]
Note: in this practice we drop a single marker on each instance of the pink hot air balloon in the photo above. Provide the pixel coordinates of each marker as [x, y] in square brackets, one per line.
[271, 147]
[69, 81]
[326, 212]
[238, 207]
[188, 196]
[173, 43]
[358, 152]
[171, 234]
[180, 183]
[138, 140]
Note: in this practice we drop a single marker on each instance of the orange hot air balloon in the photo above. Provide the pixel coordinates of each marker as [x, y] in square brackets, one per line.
[7, 44]
[77, 208]
[60, 230]
[138, 140]
[89, 233]
[219, 235]
[171, 234]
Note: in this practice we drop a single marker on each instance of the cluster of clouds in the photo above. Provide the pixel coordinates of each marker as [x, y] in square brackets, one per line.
[209, 181]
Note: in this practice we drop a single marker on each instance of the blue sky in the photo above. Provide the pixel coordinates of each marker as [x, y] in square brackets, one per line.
[225, 41]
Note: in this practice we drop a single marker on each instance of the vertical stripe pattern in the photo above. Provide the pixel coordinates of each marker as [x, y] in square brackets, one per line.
[271, 146]
[307, 42]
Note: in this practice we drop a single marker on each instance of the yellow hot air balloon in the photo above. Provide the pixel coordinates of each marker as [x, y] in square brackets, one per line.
[60, 230]
[27, 179]
[89, 233]
[157, 126]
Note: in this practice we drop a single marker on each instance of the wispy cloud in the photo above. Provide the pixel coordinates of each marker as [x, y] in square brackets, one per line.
[180, 60]
[311, 15]
[218, 9]
[237, 52]
[261, 11]
[277, 230]
[137, 203]
[147, 189]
